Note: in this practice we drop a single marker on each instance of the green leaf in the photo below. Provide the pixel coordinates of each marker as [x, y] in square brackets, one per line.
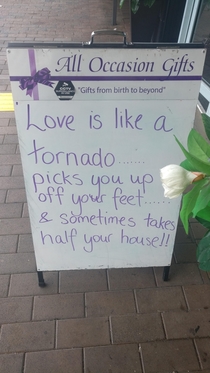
[203, 253]
[149, 3]
[204, 214]
[206, 123]
[121, 3]
[195, 162]
[134, 6]
[188, 203]
[203, 198]
[197, 146]
[187, 165]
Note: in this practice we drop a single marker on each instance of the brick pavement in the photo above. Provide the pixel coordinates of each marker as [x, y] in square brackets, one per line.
[96, 321]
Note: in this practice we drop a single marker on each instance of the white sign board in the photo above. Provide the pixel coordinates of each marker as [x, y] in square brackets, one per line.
[95, 126]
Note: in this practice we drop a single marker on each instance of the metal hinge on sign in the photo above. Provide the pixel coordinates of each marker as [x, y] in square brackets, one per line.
[106, 32]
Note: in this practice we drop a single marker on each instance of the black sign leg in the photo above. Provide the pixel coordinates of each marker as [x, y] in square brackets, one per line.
[166, 273]
[41, 279]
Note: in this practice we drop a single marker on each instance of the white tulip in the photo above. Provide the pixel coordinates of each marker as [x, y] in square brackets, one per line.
[175, 179]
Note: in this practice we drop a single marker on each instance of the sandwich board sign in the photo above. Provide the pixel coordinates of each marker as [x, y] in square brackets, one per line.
[95, 125]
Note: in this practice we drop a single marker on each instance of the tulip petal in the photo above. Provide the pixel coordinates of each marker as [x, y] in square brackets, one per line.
[175, 179]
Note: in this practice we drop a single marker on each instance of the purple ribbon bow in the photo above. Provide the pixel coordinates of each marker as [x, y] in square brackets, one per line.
[42, 76]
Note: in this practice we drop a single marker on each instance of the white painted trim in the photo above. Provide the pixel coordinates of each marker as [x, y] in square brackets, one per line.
[185, 21]
[188, 21]
[192, 21]
[205, 91]
[200, 108]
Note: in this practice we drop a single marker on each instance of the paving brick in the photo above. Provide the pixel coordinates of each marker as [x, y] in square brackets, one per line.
[10, 159]
[16, 195]
[180, 274]
[4, 122]
[5, 170]
[17, 263]
[10, 210]
[9, 182]
[203, 345]
[187, 324]
[160, 299]
[3, 194]
[185, 253]
[3, 77]
[8, 244]
[169, 356]
[17, 170]
[110, 303]
[15, 226]
[6, 114]
[57, 361]
[27, 284]
[25, 243]
[11, 363]
[4, 285]
[15, 310]
[205, 277]
[8, 149]
[198, 230]
[25, 213]
[82, 281]
[129, 278]
[198, 296]
[12, 122]
[59, 306]
[137, 328]
[83, 332]
[8, 130]
[3, 88]
[29, 336]
[11, 139]
[182, 237]
[196, 371]
[116, 359]
[1, 139]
